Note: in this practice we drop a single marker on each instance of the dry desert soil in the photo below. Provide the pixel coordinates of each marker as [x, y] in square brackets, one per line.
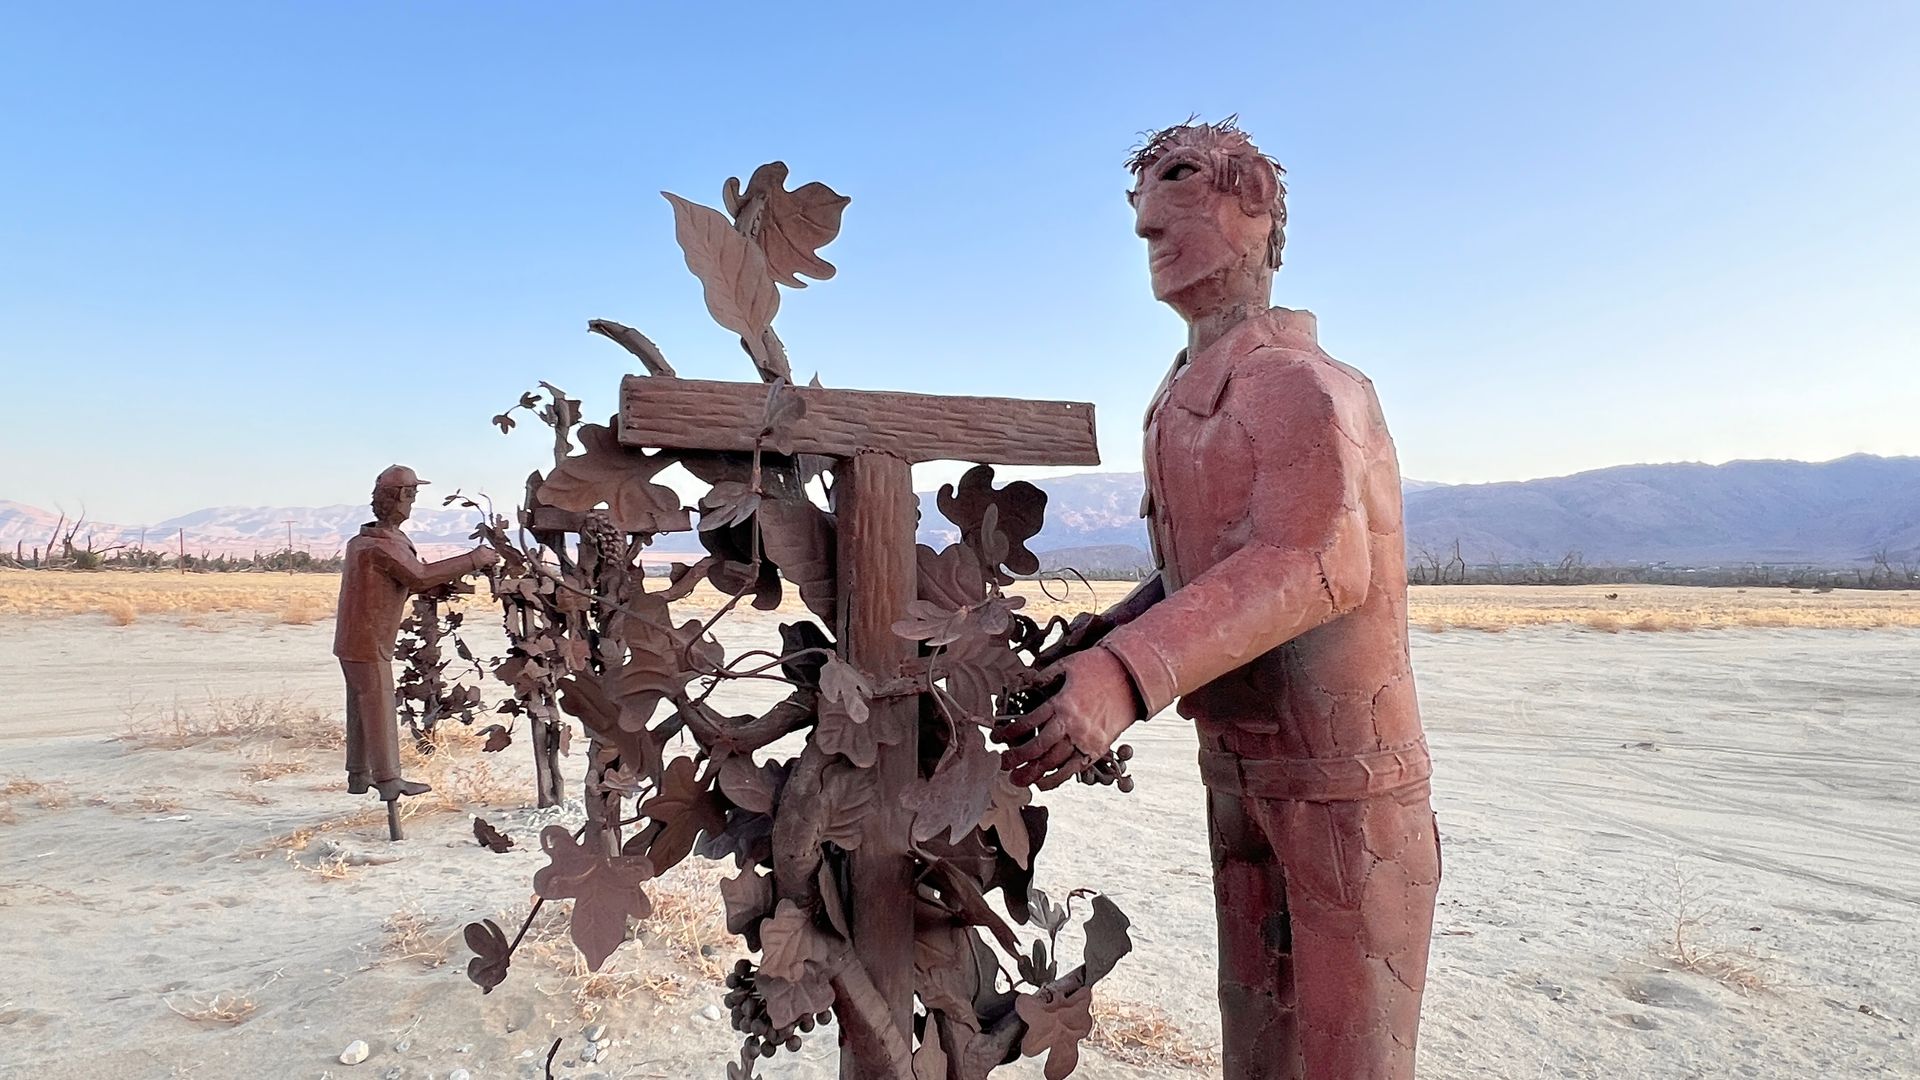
[1679, 841]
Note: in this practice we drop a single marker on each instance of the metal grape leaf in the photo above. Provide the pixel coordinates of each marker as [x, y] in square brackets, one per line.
[793, 224]
[843, 728]
[727, 503]
[956, 796]
[784, 409]
[1004, 818]
[799, 637]
[788, 1000]
[1020, 510]
[732, 269]
[788, 941]
[606, 891]
[1107, 939]
[749, 786]
[849, 797]
[929, 622]
[660, 662]
[844, 689]
[683, 809]
[977, 668]
[1014, 879]
[798, 537]
[749, 897]
[1047, 915]
[962, 894]
[833, 900]
[498, 738]
[492, 954]
[1056, 1022]
[491, 838]
[620, 477]
[582, 697]
[950, 577]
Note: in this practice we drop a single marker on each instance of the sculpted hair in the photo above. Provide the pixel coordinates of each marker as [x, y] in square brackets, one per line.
[385, 501]
[1235, 162]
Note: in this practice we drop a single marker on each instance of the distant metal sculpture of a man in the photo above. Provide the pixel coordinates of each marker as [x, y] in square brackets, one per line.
[1278, 618]
[382, 571]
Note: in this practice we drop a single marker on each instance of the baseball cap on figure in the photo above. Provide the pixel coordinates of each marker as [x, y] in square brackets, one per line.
[397, 476]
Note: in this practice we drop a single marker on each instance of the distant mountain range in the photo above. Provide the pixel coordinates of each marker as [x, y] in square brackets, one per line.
[1834, 513]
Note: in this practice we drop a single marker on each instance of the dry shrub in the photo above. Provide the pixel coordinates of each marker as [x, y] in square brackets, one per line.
[462, 775]
[303, 610]
[689, 919]
[411, 935]
[283, 718]
[225, 1007]
[271, 767]
[1606, 624]
[120, 611]
[1144, 1035]
[334, 867]
[47, 794]
[1693, 915]
[155, 803]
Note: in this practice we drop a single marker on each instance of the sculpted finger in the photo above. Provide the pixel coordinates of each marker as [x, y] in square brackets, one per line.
[1034, 749]
[1064, 773]
[1057, 754]
[1023, 726]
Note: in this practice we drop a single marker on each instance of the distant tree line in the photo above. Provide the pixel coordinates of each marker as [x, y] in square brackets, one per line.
[68, 549]
[1427, 567]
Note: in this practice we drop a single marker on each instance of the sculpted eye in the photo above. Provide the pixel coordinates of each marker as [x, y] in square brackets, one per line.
[1180, 170]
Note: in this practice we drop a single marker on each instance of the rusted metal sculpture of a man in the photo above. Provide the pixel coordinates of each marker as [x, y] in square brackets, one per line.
[382, 571]
[1278, 618]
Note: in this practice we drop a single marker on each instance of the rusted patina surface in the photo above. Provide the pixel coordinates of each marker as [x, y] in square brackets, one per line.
[382, 573]
[1278, 621]
[865, 860]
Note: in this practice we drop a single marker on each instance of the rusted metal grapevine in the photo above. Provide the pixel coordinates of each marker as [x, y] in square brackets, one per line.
[864, 860]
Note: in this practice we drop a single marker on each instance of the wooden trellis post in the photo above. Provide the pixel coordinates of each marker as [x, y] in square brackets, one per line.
[875, 438]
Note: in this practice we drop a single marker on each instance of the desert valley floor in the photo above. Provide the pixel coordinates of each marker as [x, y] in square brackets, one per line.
[1678, 843]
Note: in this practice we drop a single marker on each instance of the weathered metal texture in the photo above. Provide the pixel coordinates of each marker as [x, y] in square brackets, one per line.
[697, 414]
[865, 860]
[382, 571]
[1278, 621]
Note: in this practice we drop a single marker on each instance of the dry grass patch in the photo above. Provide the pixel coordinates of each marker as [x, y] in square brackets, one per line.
[47, 794]
[283, 719]
[1144, 1035]
[271, 767]
[155, 803]
[1654, 608]
[224, 1007]
[303, 610]
[410, 935]
[60, 592]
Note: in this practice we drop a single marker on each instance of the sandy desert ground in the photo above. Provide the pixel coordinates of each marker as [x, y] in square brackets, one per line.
[1668, 854]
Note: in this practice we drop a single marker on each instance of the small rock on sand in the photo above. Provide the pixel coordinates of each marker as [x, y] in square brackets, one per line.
[711, 1012]
[597, 1033]
[459, 1074]
[355, 1053]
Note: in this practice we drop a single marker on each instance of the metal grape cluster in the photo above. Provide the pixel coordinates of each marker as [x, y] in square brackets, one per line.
[591, 633]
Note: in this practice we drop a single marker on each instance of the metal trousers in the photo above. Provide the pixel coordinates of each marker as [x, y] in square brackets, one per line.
[1326, 910]
[373, 731]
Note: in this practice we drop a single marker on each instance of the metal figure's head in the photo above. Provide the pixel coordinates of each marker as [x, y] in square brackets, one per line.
[393, 493]
[1213, 211]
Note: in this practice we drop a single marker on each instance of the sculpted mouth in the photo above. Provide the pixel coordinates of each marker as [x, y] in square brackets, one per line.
[1160, 260]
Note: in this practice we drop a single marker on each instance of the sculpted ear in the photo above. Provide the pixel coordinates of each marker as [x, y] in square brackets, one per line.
[1257, 189]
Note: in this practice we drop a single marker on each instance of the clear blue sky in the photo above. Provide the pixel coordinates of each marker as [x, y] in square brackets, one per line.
[252, 253]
